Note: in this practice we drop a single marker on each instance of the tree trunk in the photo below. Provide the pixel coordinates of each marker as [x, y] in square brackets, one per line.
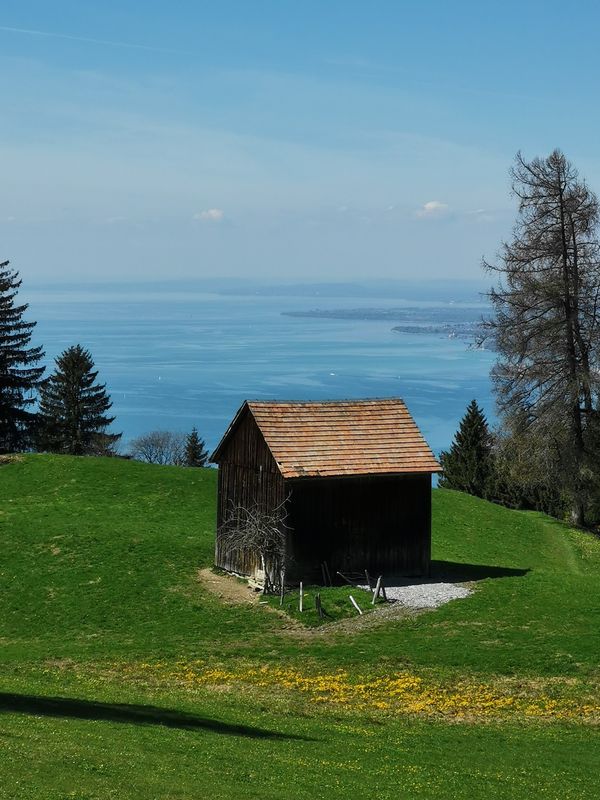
[578, 512]
[571, 323]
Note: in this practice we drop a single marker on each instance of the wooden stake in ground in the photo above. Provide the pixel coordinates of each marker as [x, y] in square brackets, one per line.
[376, 592]
[281, 587]
[355, 604]
[301, 603]
[318, 605]
[368, 577]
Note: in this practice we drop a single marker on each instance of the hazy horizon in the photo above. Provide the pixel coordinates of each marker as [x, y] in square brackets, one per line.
[209, 282]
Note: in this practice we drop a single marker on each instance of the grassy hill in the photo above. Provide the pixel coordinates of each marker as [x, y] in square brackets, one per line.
[122, 677]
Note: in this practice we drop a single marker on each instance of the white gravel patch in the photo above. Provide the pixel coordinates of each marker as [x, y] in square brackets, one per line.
[424, 595]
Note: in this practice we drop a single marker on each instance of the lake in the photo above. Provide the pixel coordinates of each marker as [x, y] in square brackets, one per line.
[177, 357]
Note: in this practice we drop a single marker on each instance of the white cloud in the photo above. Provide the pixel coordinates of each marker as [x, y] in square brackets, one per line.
[210, 215]
[433, 208]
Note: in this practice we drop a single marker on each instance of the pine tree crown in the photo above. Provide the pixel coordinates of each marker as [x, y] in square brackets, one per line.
[73, 407]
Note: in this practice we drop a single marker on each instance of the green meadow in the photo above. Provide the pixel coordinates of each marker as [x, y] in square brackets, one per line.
[123, 676]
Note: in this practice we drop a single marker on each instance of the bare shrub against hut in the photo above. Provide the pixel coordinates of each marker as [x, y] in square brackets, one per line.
[251, 532]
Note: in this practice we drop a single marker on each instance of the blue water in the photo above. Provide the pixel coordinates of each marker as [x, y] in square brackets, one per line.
[173, 359]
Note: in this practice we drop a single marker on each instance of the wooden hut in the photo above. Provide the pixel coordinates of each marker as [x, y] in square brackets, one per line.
[354, 477]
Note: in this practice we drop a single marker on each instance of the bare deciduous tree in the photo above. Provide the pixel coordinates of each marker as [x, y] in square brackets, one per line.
[259, 532]
[159, 447]
[546, 321]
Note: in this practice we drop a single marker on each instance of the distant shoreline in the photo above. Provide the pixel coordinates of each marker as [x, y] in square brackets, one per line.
[417, 321]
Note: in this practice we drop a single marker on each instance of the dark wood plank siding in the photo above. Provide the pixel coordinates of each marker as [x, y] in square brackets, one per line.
[248, 476]
[379, 523]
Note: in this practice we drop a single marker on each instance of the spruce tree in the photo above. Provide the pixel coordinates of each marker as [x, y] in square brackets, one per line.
[195, 453]
[19, 375]
[73, 408]
[468, 465]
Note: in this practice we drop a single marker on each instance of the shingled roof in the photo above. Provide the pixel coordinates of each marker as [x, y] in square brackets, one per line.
[346, 437]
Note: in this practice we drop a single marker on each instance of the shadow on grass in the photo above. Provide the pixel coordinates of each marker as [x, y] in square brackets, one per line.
[462, 573]
[69, 708]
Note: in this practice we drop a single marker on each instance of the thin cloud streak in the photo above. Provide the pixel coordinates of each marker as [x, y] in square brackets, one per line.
[87, 40]
[210, 215]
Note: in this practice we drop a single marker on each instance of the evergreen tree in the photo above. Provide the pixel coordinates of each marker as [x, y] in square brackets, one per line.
[468, 465]
[19, 375]
[73, 408]
[195, 453]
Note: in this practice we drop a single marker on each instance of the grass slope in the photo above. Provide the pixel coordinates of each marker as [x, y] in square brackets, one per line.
[98, 580]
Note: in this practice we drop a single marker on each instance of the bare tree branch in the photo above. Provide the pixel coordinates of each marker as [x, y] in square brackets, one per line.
[254, 530]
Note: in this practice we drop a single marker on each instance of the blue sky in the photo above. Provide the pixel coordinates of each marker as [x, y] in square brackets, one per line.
[281, 140]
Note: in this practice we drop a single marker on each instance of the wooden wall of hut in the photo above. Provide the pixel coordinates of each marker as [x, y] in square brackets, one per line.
[378, 523]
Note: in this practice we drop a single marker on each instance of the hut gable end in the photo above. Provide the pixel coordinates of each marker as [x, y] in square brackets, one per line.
[244, 445]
